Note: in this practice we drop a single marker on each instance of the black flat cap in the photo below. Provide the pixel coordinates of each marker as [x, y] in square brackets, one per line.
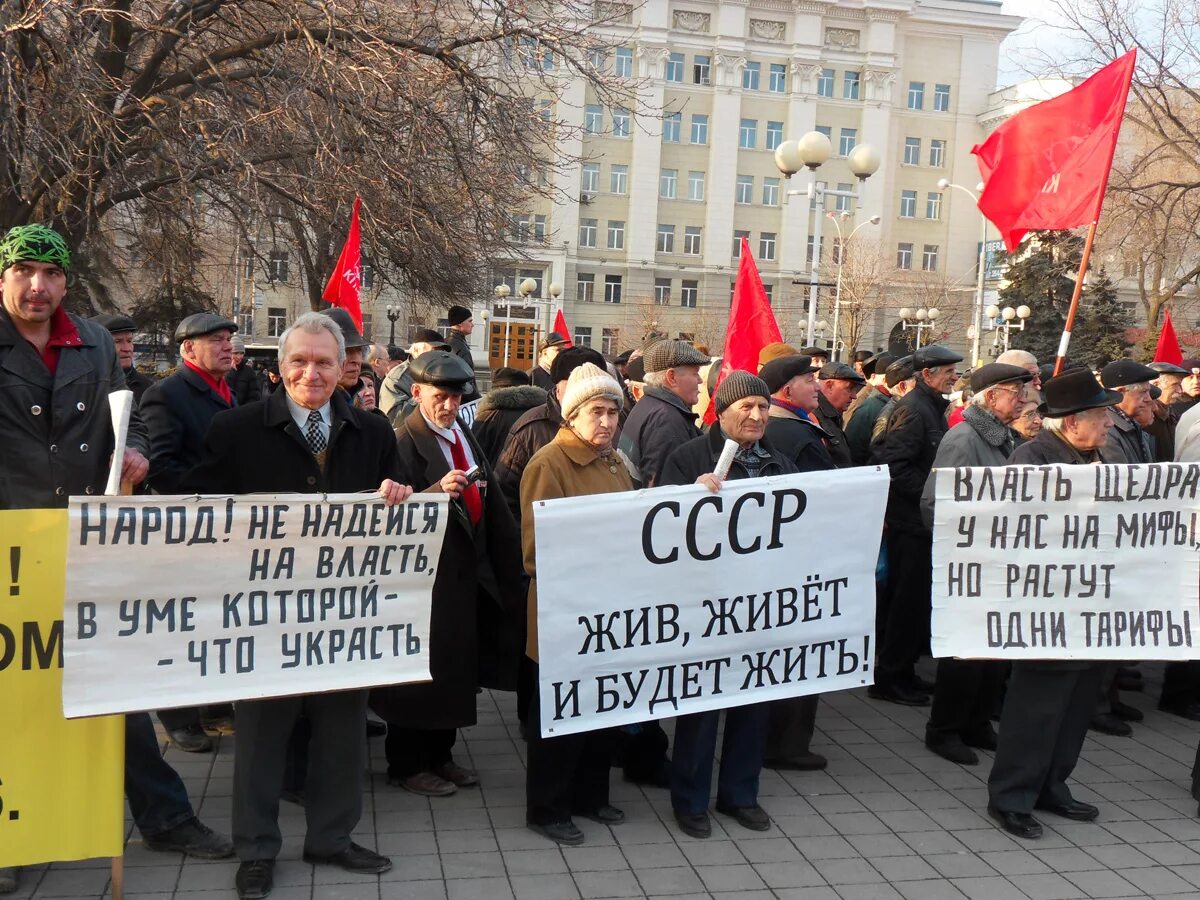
[900, 370]
[997, 373]
[457, 315]
[1073, 392]
[1121, 372]
[861, 356]
[116, 324]
[199, 324]
[815, 351]
[622, 358]
[395, 354]
[349, 331]
[779, 372]
[838, 371]
[571, 358]
[1192, 365]
[1166, 368]
[430, 336]
[636, 370]
[933, 356]
[874, 365]
[442, 369]
[554, 339]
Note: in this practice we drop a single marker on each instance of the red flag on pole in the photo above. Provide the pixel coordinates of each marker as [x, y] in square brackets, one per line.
[1047, 167]
[343, 287]
[751, 324]
[1168, 350]
[560, 325]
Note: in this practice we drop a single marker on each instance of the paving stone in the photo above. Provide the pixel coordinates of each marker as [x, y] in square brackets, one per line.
[1049, 886]
[1157, 881]
[534, 862]
[895, 869]
[847, 871]
[934, 889]
[544, 887]
[478, 889]
[1101, 883]
[676, 880]
[729, 878]
[993, 887]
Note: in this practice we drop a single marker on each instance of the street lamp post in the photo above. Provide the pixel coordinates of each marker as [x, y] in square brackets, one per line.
[393, 314]
[841, 261]
[920, 320]
[942, 184]
[526, 289]
[1003, 326]
[811, 152]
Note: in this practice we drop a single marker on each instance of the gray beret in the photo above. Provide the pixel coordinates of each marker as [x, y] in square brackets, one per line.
[1125, 371]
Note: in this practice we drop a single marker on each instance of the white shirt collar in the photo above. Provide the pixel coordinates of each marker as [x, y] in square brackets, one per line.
[300, 413]
[449, 434]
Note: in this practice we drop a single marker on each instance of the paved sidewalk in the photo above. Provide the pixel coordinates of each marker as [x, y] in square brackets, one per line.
[887, 819]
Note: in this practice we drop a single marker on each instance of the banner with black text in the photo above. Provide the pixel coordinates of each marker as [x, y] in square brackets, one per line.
[181, 601]
[675, 600]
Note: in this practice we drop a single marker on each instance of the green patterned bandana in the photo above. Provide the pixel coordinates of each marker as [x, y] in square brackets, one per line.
[34, 243]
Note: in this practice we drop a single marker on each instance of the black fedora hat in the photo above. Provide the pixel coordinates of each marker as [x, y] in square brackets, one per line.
[1073, 392]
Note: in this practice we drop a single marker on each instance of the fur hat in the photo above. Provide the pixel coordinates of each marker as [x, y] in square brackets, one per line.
[587, 382]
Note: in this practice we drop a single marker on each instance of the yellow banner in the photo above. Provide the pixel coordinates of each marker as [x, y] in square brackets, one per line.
[61, 782]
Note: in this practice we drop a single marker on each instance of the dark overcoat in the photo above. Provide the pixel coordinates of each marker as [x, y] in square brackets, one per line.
[177, 412]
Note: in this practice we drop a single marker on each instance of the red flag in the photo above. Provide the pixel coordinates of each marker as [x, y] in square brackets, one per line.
[751, 325]
[1047, 167]
[1168, 344]
[343, 287]
[560, 325]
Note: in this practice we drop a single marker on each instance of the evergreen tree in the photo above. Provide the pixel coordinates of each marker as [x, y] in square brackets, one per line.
[1099, 335]
[1042, 278]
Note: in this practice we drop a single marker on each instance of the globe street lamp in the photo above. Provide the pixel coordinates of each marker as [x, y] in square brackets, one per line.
[393, 314]
[919, 320]
[1004, 322]
[841, 260]
[811, 152]
[527, 289]
[942, 184]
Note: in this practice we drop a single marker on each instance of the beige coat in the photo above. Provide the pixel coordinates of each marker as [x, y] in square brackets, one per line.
[566, 467]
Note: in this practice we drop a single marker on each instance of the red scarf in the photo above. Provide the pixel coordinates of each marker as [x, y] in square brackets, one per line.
[218, 385]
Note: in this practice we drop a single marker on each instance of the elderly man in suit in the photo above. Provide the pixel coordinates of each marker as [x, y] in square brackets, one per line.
[306, 438]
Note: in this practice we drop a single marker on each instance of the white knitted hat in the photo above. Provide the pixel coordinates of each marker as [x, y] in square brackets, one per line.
[585, 383]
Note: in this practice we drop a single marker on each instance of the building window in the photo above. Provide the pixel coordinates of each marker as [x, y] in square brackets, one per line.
[699, 128]
[583, 336]
[671, 125]
[520, 228]
[842, 204]
[691, 240]
[737, 242]
[769, 290]
[908, 204]
[750, 76]
[941, 98]
[245, 322]
[593, 119]
[618, 179]
[904, 256]
[539, 229]
[933, 205]
[748, 134]
[587, 232]
[916, 95]
[624, 63]
[766, 245]
[276, 321]
[778, 79]
[662, 291]
[837, 251]
[585, 287]
[279, 266]
[937, 153]
[850, 85]
[770, 195]
[668, 183]
[620, 122]
[825, 83]
[912, 151]
[612, 291]
[590, 182]
[808, 250]
[665, 241]
[616, 234]
[774, 134]
[929, 258]
[847, 139]
[695, 185]
[744, 191]
[688, 293]
[675, 67]
[700, 70]
[367, 273]
[609, 337]
[826, 130]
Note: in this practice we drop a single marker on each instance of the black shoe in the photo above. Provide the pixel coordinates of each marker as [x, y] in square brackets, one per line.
[697, 826]
[1184, 711]
[1107, 723]
[566, 833]
[953, 748]
[255, 878]
[1020, 825]
[897, 693]
[753, 817]
[192, 838]
[800, 762]
[354, 858]
[1125, 712]
[920, 685]
[603, 815]
[1076, 810]
[983, 738]
[376, 729]
[191, 739]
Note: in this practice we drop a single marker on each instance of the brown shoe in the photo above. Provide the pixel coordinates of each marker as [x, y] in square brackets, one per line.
[456, 774]
[426, 784]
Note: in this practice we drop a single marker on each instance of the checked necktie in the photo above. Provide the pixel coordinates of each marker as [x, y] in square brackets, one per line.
[312, 433]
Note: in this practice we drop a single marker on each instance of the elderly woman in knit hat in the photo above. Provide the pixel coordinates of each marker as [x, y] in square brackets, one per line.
[743, 402]
[569, 774]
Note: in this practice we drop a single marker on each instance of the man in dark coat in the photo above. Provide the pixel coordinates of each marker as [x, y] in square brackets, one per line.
[908, 448]
[541, 375]
[475, 629]
[242, 378]
[860, 417]
[900, 380]
[307, 439]
[663, 419]
[839, 385]
[122, 328]
[1049, 702]
[461, 326]
[510, 398]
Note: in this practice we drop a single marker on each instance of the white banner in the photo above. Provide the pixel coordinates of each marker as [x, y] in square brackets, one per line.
[676, 600]
[1066, 562]
[179, 601]
[467, 413]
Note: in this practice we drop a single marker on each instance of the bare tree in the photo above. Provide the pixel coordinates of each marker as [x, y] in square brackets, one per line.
[865, 264]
